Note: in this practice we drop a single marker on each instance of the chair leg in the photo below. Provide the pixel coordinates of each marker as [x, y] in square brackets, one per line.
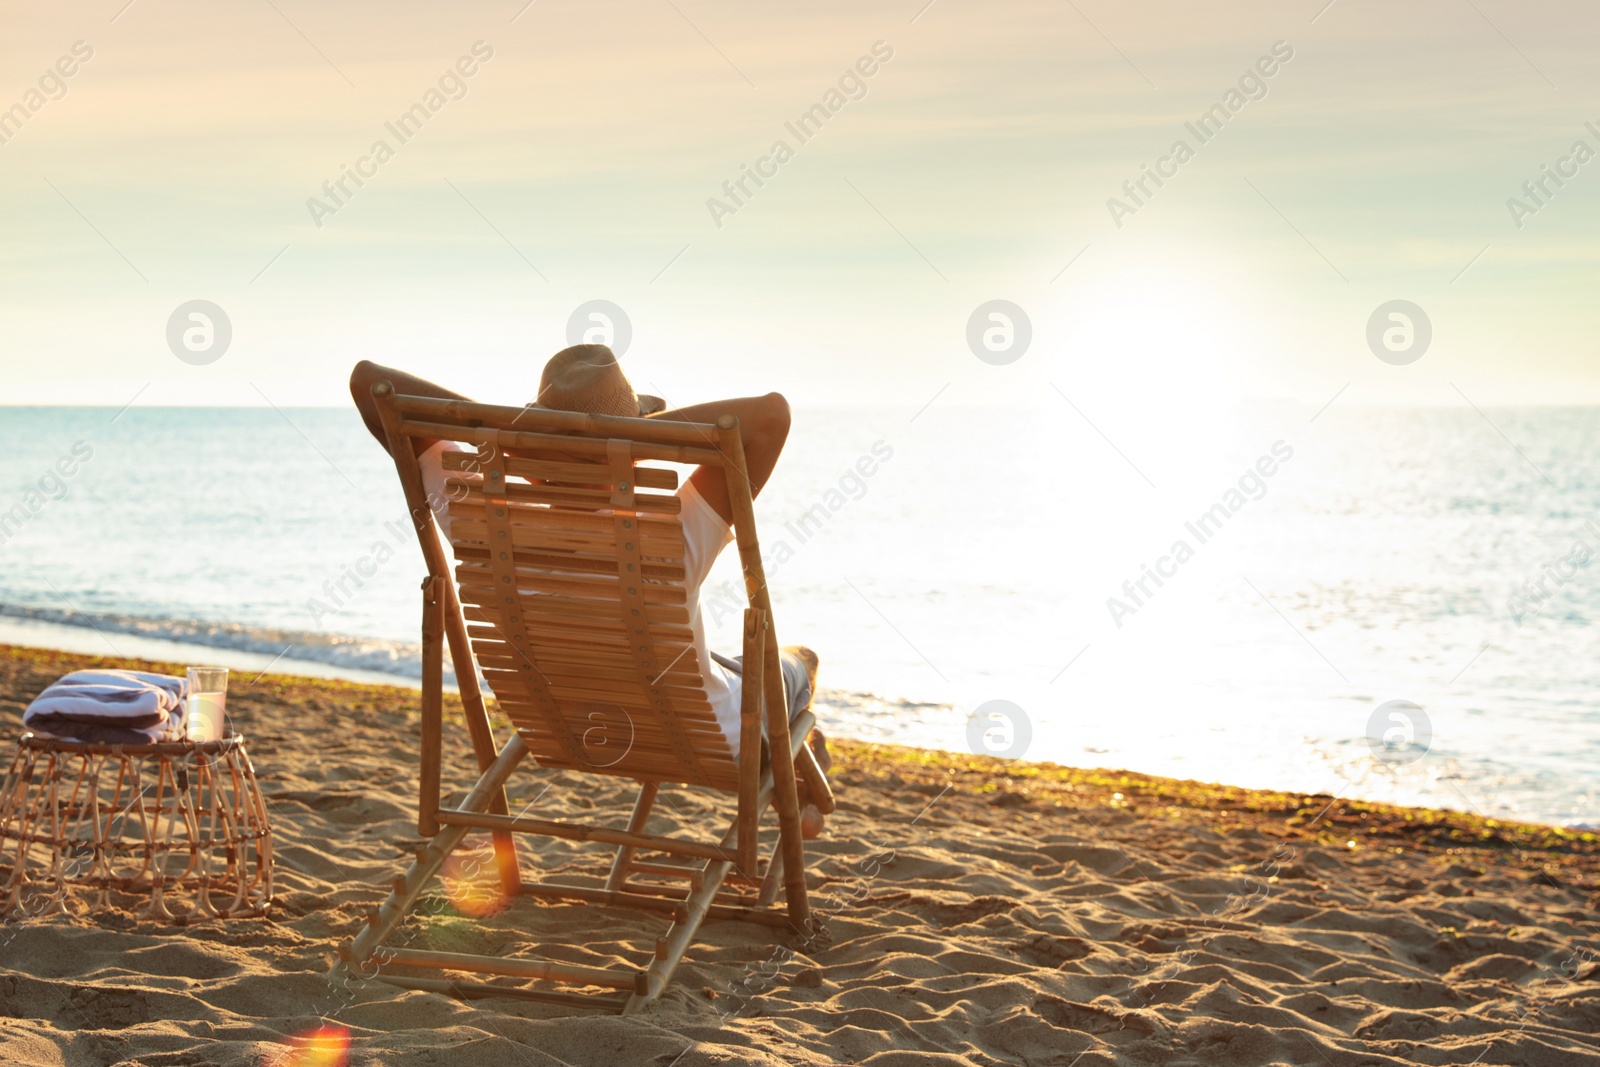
[692, 912]
[408, 887]
[506, 863]
[791, 846]
[636, 825]
[670, 949]
[435, 607]
[772, 882]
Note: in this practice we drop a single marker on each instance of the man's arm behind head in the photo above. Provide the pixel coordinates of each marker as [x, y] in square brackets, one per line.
[763, 429]
[366, 374]
[763, 426]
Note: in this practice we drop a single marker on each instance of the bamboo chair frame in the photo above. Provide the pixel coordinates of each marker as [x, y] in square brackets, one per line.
[591, 452]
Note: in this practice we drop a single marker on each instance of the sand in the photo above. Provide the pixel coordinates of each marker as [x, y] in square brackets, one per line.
[979, 912]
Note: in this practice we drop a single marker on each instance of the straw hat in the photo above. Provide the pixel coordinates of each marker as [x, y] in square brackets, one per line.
[588, 378]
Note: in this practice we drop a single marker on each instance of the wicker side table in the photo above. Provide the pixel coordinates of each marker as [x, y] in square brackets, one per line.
[180, 819]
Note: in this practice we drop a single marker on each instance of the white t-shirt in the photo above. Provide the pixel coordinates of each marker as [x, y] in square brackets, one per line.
[705, 535]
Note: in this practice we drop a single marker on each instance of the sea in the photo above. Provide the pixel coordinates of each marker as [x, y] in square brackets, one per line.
[1396, 604]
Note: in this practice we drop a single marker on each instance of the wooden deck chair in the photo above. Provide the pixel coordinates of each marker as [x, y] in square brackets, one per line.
[569, 558]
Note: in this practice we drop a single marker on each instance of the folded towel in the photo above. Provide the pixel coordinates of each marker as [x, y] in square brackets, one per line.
[110, 706]
[90, 734]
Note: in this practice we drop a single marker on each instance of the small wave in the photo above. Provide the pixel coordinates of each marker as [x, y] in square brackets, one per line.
[400, 658]
[857, 698]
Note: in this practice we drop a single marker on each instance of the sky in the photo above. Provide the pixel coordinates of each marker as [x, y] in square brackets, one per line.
[978, 161]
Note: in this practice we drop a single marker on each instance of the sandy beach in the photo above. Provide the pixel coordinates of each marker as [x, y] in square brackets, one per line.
[978, 912]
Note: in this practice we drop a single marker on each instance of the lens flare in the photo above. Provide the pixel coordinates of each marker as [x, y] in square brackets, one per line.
[326, 1046]
[472, 883]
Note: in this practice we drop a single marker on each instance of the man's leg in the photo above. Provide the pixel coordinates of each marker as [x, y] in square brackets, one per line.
[800, 685]
[799, 665]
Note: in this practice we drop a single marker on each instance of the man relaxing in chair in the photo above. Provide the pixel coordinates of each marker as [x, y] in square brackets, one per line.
[587, 378]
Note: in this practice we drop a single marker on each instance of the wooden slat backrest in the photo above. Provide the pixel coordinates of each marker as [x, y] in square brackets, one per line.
[570, 568]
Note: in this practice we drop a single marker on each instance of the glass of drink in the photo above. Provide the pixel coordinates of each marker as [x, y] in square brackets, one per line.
[208, 699]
